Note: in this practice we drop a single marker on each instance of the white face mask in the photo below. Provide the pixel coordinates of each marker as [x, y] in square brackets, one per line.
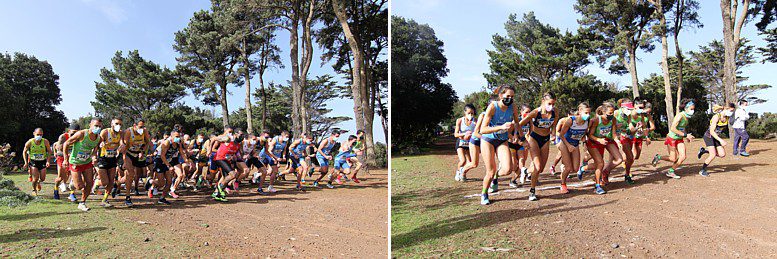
[140, 131]
[38, 138]
[199, 139]
[728, 113]
[286, 139]
[689, 112]
[116, 128]
[468, 116]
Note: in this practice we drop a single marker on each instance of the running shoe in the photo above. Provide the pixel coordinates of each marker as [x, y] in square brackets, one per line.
[150, 194]
[106, 204]
[163, 201]
[173, 194]
[494, 186]
[137, 193]
[214, 194]
[629, 180]
[458, 175]
[338, 180]
[299, 188]
[236, 185]
[564, 189]
[220, 198]
[302, 180]
[72, 197]
[580, 172]
[270, 189]
[744, 153]
[524, 173]
[256, 177]
[704, 172]
[56, 194]
[315, 184]
[355, 180]
[260, 191]
[513, 184]
[599, 190]
[702, 151]
[330, 186]
[484, 199]
[29, 179]
[671, 174]
[82, 206]
[656, 158]
[63, 188]
[35, 192]
[532, 196]
[128, 203]
[114, 191]
[552, 170]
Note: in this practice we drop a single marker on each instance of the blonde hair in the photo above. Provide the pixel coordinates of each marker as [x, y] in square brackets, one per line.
[717, 108]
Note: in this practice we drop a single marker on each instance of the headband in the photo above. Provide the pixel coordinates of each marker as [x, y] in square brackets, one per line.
[689, 104]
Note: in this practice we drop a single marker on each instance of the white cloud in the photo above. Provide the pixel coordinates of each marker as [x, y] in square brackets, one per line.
[111, 9]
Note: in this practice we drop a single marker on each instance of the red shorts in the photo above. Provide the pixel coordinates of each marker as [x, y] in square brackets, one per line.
[638, 142]
[624, 140]
[60, 159]
[593, 145]
[81, 168]
[672, 142]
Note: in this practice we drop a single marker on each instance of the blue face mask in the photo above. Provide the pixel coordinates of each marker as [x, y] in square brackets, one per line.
[585, 117]
[177, 140]
[38, 138]
[96, 130]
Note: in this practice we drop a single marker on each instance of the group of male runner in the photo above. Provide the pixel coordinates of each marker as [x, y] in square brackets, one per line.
[113, 160]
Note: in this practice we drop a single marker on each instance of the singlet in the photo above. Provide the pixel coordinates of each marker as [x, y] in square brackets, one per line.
[300, 148]
[638, 122]
[463, 128]
[328, 147]
[643, 134]
[500, 117]
[680, 126]
[576, 131]
[277, 149]
[603, 130]
[110, 145]
[227, 151]
[248, 148]
[137, 141]
[722, 124]
[524, 129]
[544, 123]
[342, 155]
[37, 152]
[82, 150]
[173, 152]
[621, 120]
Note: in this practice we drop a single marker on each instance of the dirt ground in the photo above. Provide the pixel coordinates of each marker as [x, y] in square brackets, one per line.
[348, 221]
[729, 214]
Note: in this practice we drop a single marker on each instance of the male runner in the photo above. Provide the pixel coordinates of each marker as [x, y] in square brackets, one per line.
[79, 161]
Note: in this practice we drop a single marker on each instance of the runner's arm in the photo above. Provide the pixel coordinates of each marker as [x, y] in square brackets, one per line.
[564, 128]
[73, 139]
[163, 152]
[476, 133]
[457, 128]
[484, 128]
[713, 124]
[25, 156]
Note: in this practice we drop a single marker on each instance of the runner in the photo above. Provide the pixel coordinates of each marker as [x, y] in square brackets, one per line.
[112, 142]
[181, 163]
[166, 165]
[523, 151]
[573, 130]
[600, 137]
[474, 149]
[297, 154]
[36, 154]
[199, 154]
[644, 109]
[712, 140]
[62, 182]
[324, 157]
[343, 156]
[626, 122]
[465, 126]
[79, 161]
[557, 140]
[543, 122]
[495, 129]
[137, 144]
[675, 143]
[226, 147]
[271, 158]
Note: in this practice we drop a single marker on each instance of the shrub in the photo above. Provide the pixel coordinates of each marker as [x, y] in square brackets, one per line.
[762, 127]
[381, 155]
[11, 196]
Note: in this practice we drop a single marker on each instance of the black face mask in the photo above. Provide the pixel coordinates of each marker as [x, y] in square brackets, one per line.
[610, 117]
[239, 139]
[507, 101]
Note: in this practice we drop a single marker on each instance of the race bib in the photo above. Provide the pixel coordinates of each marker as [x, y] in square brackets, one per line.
[111, 153]
[544, 123]
[577, 136]
[82, 156]
[605, 131]
[525, 130]
[37, 157]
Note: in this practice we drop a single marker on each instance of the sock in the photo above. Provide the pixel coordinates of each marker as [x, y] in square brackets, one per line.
[532, 190]
[704, 166]
[105, 196]
[485, 191]
[597, 185]
[671, 170]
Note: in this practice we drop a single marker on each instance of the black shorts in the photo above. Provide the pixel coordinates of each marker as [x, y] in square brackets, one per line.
[255, 162]
[137, 162]
[106, 162]
[459, 145]
[513, 146]
[160, 167]
[38, 164]
[225, 165]
[709, 141]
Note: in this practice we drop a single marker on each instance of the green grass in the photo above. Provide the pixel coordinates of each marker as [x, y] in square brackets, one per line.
[50, 228]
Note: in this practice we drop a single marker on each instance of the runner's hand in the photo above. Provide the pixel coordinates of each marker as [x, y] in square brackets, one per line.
[648, 141]
[507, 125]
[65, 163]
[329, 157]
[690, 137]
[48, 163]
[601, 141]
[722, 142]
[25, 165]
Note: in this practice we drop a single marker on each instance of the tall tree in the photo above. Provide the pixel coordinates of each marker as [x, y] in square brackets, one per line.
[135, 85]
[684, 16]
[362, 26]
[268, 58]
[660, 30]
[620, 28]
[29, 90]
[417, 68]
[768, 13]
[207, 62]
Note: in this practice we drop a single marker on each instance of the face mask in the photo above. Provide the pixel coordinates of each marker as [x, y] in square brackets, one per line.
[116, 128]
[469, 116]
[627, 112]
[177, 140]
[507, 101]
[640, 111]
[585, 117]
[38, 138]
[727, 113]
[239, 139]
[199, 139]
[96, 130]
[549, 108]
[286, 139]
[689, 113]
[610, 117]
[140, 131]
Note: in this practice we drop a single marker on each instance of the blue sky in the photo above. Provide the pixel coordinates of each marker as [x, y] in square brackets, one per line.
[79, 37]
[466, 28]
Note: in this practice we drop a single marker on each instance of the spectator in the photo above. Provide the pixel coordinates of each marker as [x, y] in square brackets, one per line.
[740, 134]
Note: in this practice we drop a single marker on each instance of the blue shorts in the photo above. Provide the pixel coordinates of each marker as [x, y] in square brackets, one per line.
[294, 161]
[341, 164]
[494, 142]
[322, 161]
[267, 160]
[475, 141]
[212, 166]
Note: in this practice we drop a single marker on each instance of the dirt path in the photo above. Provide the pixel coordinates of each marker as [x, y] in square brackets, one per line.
[348, 221]
[729, 214]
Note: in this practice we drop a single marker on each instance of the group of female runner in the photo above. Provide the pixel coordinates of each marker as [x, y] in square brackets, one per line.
[506, 137]
[105, 161]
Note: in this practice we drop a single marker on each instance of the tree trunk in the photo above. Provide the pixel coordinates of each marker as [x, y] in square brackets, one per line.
[664, 61]
[264, 99]
[307, 59]
[247, 76]
[223, 101]
[732, 26]
[632, 67]
[295, 82]
[680, 63]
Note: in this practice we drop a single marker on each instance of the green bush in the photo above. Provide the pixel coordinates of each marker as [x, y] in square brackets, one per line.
[762, 127]
[381, 155]
[11, 196]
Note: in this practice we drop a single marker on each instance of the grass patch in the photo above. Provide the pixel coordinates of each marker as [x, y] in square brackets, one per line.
[51, 228]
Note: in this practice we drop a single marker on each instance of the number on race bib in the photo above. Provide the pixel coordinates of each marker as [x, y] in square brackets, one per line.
[37, 157]
[82, 156]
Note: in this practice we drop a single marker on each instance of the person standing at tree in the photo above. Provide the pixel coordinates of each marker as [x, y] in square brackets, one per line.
[495, 129]
[543, 121]
[36, 155]
[600, 138]
[324, 157]
[107, 157]
[712, 139]
[137, 144]
[675, 143]
[62, 183]
[85, 146]
[572, 132]
[463, 132]
[741, 138]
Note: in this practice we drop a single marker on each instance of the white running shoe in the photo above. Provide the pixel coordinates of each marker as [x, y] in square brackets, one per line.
[82, 207]
[271, 189]
[63, 188]
[522, 177]
[256, 177]
[458, 175]
[156, 192]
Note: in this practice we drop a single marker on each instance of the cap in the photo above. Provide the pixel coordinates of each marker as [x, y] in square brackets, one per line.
[74, 126]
